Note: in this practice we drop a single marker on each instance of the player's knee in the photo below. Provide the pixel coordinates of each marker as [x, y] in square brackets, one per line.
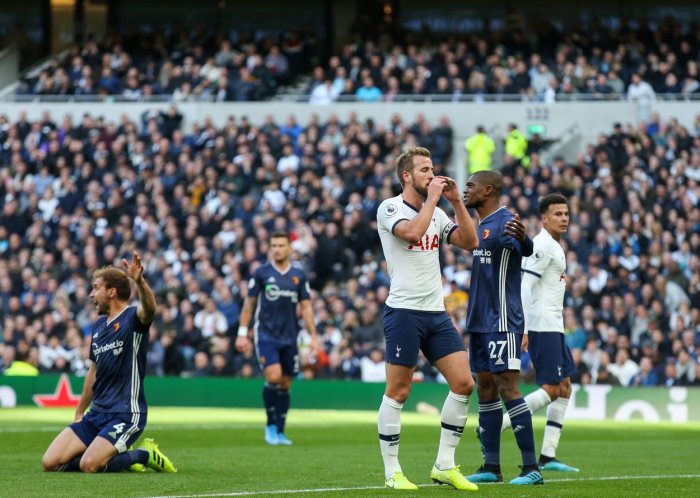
[89, 465]
[273, 378]
[48, 463]
[464, 386]
[399, 393]
[554, 391]
[565, 390]
[508, 391]
[486, 392]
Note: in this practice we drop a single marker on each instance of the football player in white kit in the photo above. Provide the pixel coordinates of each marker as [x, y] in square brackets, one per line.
[411, 228]
[542, 290]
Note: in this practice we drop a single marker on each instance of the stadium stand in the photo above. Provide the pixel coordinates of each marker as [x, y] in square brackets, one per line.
[177, 64]
[589, 60]
[199, 205]
[77, 193]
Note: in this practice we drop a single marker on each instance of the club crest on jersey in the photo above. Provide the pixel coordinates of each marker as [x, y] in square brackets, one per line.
[391, 210]
[116, 327]
[486, 233]
[295, 280]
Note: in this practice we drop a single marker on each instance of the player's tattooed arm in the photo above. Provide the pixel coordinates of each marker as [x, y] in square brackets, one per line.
[244, 321]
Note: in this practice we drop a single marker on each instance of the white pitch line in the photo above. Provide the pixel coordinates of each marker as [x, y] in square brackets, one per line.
[365, 488]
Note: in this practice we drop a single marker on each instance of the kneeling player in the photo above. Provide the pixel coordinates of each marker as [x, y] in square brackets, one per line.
[100, 440]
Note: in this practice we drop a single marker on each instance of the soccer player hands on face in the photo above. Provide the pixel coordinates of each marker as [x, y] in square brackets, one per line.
[436, 188]
[450, 190]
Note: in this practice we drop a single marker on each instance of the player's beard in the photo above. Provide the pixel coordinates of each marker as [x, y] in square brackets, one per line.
[472, 204]
[102, 309]
[420, 189]
[281, 260]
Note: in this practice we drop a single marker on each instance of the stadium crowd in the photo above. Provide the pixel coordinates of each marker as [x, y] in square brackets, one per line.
[637, 59]
[200, 204]
[186, 65]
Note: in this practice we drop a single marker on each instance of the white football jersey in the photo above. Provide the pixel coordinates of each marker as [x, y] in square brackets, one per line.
[414, 269]
[544, 284]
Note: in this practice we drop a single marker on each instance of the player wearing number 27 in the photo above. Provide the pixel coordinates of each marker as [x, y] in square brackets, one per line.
[99, 440]
[411, 228]
[495, 322]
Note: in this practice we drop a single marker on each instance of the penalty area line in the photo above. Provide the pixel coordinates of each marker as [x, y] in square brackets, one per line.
[366, 488]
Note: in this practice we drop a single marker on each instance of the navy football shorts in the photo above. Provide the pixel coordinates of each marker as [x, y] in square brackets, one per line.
[271, 351]
[551, 357]
[495, 352]
[120, 429]
[407, 331]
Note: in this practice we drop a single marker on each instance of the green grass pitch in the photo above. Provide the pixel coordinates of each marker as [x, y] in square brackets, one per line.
[220, 452]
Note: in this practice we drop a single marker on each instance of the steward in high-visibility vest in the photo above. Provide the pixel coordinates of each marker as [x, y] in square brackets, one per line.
[479, 147]
[516, 145]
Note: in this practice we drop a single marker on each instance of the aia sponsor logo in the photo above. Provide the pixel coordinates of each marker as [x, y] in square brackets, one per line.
[425, 243]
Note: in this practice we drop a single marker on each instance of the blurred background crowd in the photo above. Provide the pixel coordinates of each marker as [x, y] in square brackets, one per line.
[199, 205]
[199, 202]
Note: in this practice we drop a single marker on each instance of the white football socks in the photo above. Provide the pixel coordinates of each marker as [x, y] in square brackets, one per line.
[389, 425]
[453, 419]
[555, 422]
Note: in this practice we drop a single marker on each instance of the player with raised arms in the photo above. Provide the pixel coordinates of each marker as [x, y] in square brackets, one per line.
[411, 228]
[99, 440]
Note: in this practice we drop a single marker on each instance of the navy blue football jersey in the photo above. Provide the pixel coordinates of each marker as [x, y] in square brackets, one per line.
[119, 349]
[495, 304]
[278, 294]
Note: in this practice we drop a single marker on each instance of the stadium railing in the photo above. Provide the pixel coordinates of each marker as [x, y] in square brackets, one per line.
[9, 94]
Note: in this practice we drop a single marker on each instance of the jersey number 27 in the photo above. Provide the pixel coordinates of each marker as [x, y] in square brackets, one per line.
[493, 345]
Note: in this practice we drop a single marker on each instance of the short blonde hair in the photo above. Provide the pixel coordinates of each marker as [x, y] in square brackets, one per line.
[405, 161]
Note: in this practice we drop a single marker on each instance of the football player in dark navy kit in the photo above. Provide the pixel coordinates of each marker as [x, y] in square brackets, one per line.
[276, 288]
[495, 321]
[100, 440]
